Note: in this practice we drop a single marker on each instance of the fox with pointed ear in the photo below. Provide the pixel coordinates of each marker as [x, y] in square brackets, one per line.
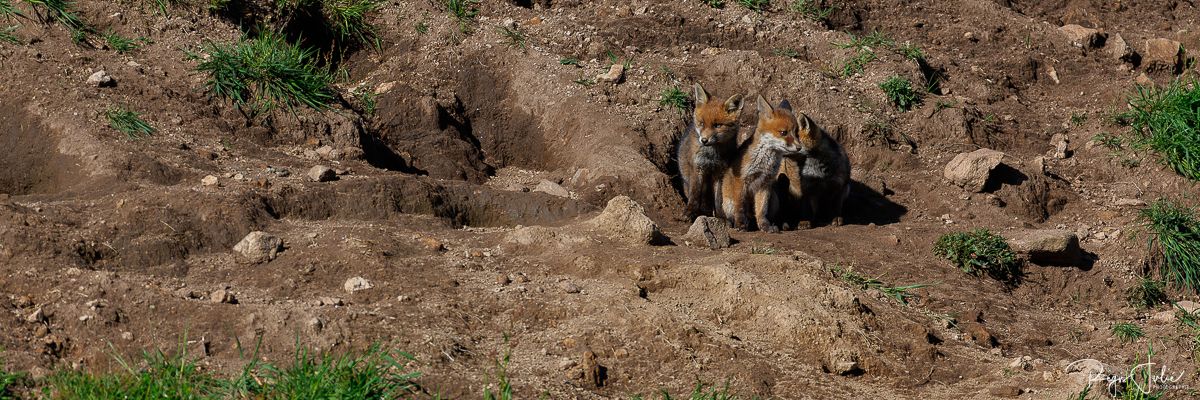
[819, 175]
[707, 148]
[749, 186]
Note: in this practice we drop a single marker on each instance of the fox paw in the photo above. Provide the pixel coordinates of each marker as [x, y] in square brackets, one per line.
[771, 229]
[836, 222]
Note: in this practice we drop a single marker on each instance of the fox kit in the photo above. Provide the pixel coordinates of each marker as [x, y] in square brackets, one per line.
[824, 173]
[706, 149]
[752, 177]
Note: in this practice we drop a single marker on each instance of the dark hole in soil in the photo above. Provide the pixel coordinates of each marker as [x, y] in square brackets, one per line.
[32, 163]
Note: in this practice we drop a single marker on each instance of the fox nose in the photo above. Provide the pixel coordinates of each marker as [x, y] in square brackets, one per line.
[704, 141]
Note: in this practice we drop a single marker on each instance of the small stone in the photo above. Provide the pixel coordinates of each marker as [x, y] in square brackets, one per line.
[220, 296]
[1130, 203]
[209, 180]
[1189, 306]
[503, 279]
[1163, 55]
[36, 316]
[1086, 38]
[1053, 74]
[23, 301]
[356, 284]
[1143, 80]
[593, 373]
[625, 220]
[126, 335]
[569, 287]
[614, 75]
[552, 188]
[321, 173]
[1117, 48]
[1059, 141]
[238, 177]
[846, 368]
[971, 170]
[1163, 317]
[331, 301]
[709, 232]
[316, 324]
[892, 240]
[325, 151]
[258, 246]
[1047, 246]
[521, 278]
[101, 78]
[432, 244]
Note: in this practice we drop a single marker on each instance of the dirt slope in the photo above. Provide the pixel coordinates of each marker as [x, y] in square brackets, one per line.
[444, 193]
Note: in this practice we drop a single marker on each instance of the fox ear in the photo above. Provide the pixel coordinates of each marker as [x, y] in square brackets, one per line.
[785, 105]
[700, 95]
[802, 124]
[763, 106]
[734, 104]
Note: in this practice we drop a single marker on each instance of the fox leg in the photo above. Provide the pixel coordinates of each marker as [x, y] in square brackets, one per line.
[836, 201]
[698, 197]
[762, 211]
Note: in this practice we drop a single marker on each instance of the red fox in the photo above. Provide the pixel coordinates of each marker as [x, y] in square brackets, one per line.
[706, 149]
[823, 171]
[752, 177]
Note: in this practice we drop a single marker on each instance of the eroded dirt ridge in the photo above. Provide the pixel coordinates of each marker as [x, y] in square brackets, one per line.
[494, 185]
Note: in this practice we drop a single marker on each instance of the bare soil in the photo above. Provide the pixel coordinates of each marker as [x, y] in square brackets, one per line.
[441, 178]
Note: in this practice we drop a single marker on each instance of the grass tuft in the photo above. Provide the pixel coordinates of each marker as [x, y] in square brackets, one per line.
[911, 51]
[463, 11]
[714, 3]
[900, 92]
[348, 19]
[898, 293]
[8, 11]
[504, 390]
[121, 44]
[7, 35]
[516, 39]
[1174, 242]
[812, 10]
[376, 374]
[569, 61]
[265, 73]
[980, 251]
[674, 97]
[1146, 294]
[1127, 332]
[757, 6]
[61, 11]
[1167, 121]
[128, 122]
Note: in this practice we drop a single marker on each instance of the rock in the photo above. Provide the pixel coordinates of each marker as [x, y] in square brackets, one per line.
[552, 188]
[1047, 246]
[1087, 38]
[324, 151]
[569, 287]
[36, 316]
[846, 368]
[321, 173]
[127, 335]
[1163, 317]
[980, 335]
[259, 246]
[1081, 373]
[1053, 74]
[593, 372]
[503, 280]
[1188, 306]
[222, 296]
[1163, 55]
[1059, 141]
[1143, 80]
[625, 220]
[1129, 203]
[1117, 48]
[432, 244]
[614, 75]
[101, 78]
[356, 284]
[971, 170]
[208, 180]
[710, 232]
[330, 301]
[316, 324]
